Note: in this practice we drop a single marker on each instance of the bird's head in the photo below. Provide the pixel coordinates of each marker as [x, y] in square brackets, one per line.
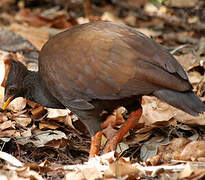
[14, 75]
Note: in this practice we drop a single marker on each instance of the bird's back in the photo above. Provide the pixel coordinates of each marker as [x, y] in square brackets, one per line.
[104, 60]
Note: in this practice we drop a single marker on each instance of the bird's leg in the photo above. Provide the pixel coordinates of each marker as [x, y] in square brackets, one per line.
[128, 124]
[95, 144]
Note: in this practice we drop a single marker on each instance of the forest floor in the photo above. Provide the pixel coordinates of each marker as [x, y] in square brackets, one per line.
[42, 143]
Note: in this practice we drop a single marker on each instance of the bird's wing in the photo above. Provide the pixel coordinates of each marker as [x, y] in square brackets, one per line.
[110, 63]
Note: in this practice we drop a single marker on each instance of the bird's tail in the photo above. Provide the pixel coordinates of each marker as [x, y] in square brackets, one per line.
[186, 101]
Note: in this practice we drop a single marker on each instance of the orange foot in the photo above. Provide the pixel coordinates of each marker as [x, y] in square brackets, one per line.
[129, 124]
[95, 144]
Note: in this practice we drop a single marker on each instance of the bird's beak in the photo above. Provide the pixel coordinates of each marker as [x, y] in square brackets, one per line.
[7, 101]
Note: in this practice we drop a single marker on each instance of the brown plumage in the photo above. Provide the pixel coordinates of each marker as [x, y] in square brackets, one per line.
[101, 66]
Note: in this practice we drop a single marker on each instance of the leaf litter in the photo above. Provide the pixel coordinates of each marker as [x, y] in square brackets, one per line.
[43, 143]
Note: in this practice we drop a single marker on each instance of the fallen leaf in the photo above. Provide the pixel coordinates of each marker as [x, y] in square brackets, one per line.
[108, 16]
[6, 133]
[155, 160]
[6, 3]
[173, 149]
[120, 168]
[189, 119]
[187, 171]
[23, 120]
[18, 104]
[38, 37]
[109, 132]
[11, 42]
[139, 137]
[193, 151]
[43, 137]
[29, 174]
[6, 125]
[187, 60]
[2, 71]
[55, 113]
[38, 112]
[48, 125]
[74, 175]
[181, 3]
[25, 15]
[26, 133]
[121, 147]
[10, 159]
[150, 148]
[149, 32]
[195, 77]
[91, 173]
[3, 117]
[155, 110]
[60, 143]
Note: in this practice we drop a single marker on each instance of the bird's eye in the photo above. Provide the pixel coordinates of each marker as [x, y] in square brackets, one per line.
[12, 91]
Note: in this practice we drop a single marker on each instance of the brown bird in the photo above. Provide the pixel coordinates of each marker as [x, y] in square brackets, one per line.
[98, 67]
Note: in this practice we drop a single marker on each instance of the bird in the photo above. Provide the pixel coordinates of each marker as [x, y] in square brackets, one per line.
[100, 66]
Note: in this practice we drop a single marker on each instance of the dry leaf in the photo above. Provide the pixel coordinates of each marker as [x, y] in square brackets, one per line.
[38, 112]
[195, 77]
[155, 110]
[181, 3]
[25, 15]
[2, 70]
[189, 119]
[108, 16]
[26, 133]
[148, 32]
[192, 172]
[6, 3]
[173, 149]
[18, 104]
[55, 113]
[155, 160]
[6, 125]
[38, 37]
[3, 117]
[44, 137]
[60, 143]
[1, 96]
[92, 173]
[120, 168]
[121, 147]
[187, 60]
[28, 174]
[109, 132]
[138, 138]
[10, 159]
[12, 43]
[23, 120]
[48, 125]
[114, 119]
[68, 121]
[187, 171]
[178, 143]
[6, 133]
[74, 175]
[150, 148]
[193, 151]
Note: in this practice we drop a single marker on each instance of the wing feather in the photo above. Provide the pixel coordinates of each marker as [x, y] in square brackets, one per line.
[106, 61]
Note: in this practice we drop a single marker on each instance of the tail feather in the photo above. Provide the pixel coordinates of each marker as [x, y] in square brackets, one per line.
[186, 101]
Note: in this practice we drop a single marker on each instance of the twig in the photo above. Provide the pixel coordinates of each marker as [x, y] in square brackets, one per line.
[179, 48]
[19, 149]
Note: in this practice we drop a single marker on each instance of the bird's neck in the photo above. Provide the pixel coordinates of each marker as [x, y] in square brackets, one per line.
[34, 90]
